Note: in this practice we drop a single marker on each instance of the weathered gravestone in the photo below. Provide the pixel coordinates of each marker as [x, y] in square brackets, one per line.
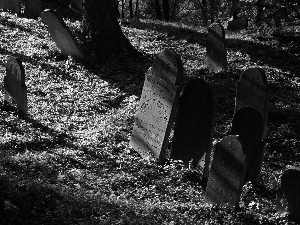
[216, 56]
[227, 173]
[33, 8]
[288, 193]
[77, 6]
[248, 124]
[194, 126]
[15, 90]
[157, 106]
[61, 34]
[237, 24]
[11, 5]
[252, 91]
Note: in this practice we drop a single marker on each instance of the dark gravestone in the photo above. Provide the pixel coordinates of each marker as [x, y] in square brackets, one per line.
[288, 193]
[77, 6]
[248, 124]
[33, 8]
[157, 106]
[61, 34]
[252, 91]
[11, 5]
[15, 90]
[227, 173]
[216, 58]
[237, 24]
[194, 126]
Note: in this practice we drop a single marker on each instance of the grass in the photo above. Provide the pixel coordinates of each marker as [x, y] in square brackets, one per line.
[69, 161]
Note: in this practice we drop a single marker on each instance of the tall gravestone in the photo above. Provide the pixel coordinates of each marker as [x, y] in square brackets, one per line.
[216, 55]
[227, 173]
[33, 8]
[61, 34]
[15, 90]
[194, 126]
[11, 5]
[288, 193]
[248, 123]
[157, 105]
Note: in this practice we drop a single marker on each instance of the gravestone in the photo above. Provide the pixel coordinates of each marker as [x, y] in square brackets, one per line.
[61, 34]
[226, 177]
[237, 24]
[77, 6]
[15, 90]
[248, 124]
[288, 193]
[194, 126]
[157, 105]
[252, 91]
[216, 56]
[12, 5]
[33, 8]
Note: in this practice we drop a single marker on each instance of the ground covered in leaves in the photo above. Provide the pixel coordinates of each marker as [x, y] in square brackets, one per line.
[69, 161]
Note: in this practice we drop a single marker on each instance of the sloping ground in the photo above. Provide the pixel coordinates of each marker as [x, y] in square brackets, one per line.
[69, 162]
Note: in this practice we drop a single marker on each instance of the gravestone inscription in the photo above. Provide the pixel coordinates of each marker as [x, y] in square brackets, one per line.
[11, 5]
[15, 90]
[227, 173]
[194, 126]
[33, 8]
[216, 56]
[288, 193]
[248, 123]
[157, 105]
[61, 34]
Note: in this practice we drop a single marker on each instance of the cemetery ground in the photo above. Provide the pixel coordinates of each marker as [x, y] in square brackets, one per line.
[68, 161]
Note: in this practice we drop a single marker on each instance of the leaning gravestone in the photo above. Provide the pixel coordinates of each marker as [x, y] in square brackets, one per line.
[15, 90]
[237, 24]
[216, 58]
[194, 126]
[33, 8]
[12, 5]
[288, 193]
[61, 34]
[157, 106]
[248, 124]
[226, 177]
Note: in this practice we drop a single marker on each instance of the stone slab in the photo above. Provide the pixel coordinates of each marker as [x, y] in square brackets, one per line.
[216, 55]
[12, 5]
[237, 24]
[61, 34]
[33, 8]
[157, 106]
[15, 90]
[194, 126]
[227, 173]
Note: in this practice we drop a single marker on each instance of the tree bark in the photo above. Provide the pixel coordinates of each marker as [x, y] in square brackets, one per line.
[166, 9]
[130, 9]
[136, 8]
[157, 10]
[107, 38]
[204, 12]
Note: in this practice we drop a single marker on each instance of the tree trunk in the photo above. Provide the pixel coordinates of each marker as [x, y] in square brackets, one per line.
[123, 8]
[166, 9]
[212, 10]
[234, 8]
[136, 8]
[174, 9]
[130, 9]
[157, 10]
[204, 12]
[107, 38]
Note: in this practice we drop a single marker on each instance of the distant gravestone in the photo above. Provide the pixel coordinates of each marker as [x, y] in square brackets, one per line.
[288, 193]
[248, 124]
[33, 8]
[226, 177]
[237, 24]
[157, 106]
[216, 56]
[61, 34]
[15, 90]
[194, 126]
[252, 91]
[11, 5]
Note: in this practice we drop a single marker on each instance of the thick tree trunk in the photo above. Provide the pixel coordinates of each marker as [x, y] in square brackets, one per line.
[157, 10]
[212, 10]
[107, 38]
[166, 9]
[204, 12]
[130, 9]
[136, 8]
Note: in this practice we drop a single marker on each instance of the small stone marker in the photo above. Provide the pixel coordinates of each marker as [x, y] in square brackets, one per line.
[216, 56]
[15, 90]
[288, 193]
[33, 8]
[226, 177]
[237, 24]
[61, 34]
[194, 126]
[157, 106]
[12, 5]
[248, 124]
